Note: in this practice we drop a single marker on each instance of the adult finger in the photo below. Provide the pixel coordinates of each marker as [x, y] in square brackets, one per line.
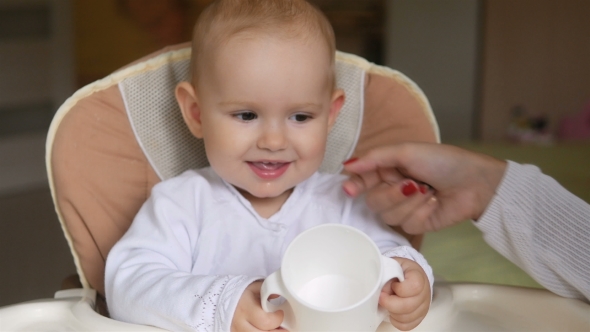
[414, 216]
[403, 215]
[380, 157]
[421, 219]
[361, 182]
[357, 184]
[401, 194]
[390, 175]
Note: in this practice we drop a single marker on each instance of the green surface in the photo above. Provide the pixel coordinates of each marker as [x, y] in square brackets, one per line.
[459, 253]
[569, 164]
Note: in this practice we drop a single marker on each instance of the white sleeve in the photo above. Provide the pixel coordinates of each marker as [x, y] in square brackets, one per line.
[148, 276]
[390, 243]
[542, 228]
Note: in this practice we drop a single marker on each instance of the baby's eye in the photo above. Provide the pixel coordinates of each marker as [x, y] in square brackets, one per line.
[300, 117]
[246, 116]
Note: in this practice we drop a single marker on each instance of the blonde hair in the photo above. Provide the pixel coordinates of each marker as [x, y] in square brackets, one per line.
[224, 19]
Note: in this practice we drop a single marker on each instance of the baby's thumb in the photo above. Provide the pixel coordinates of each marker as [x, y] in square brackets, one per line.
[411, 286]
[387, 287]
[275, 319]
[268, 321]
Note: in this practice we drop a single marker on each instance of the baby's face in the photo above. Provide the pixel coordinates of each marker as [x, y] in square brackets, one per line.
[266, 106]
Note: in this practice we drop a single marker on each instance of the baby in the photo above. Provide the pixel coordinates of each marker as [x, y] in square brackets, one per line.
[262, 97]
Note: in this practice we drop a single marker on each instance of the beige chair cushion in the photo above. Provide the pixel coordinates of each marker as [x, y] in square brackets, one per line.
[100, 177]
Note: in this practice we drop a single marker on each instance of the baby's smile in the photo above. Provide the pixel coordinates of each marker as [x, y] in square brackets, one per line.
[269, 170]
[264, 109]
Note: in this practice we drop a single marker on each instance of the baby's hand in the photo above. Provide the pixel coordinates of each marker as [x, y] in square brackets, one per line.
[407, 301]
[249, 315]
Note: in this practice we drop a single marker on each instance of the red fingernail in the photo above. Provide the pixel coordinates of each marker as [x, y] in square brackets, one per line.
[409, 188]
[351, 160]
[423, 188]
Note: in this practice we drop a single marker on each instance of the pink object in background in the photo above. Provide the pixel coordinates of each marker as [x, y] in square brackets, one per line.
[576, 127]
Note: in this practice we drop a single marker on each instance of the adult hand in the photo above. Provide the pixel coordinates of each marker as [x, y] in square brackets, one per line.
[249, 315]
[461, 184]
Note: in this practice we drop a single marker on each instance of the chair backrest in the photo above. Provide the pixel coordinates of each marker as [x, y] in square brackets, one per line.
[114, 139]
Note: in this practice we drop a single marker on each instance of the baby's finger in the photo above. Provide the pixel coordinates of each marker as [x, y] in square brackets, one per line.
[406, 322]
[387, 288]
[266, 321]
[399, 305]
[243, 326]
[413, 284]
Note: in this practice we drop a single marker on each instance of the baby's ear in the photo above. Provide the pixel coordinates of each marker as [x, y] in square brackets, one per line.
[336, 104]
[186, 97]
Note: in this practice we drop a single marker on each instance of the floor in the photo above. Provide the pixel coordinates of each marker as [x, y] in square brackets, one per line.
[34, 255]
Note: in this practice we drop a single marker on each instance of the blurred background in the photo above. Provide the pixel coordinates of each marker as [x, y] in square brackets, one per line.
[504, 77]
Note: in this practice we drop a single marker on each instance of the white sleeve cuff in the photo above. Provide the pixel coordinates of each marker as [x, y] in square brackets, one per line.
[228, 301]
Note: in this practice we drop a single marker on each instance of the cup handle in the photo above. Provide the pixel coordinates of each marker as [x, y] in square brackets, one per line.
[390, 269]
[273, 284]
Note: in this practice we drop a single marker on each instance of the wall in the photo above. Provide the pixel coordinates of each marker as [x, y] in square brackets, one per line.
[112, 33]
[108, 36]
[358, 26]
[536, 54]
[36, 71]
[435, 43]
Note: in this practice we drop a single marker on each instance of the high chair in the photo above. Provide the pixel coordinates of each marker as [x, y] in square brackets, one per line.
[114, 139]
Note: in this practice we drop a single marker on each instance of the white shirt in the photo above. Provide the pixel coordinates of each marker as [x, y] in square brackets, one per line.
[197, 243]
[541, 227]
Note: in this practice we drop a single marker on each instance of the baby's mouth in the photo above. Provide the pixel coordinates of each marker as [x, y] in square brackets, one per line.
[269, 170]
[267, 165]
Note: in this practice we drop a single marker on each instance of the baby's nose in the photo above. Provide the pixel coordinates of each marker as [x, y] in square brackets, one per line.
[273, 138]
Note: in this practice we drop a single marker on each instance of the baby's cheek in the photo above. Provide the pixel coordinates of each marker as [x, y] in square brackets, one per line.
[314, 149]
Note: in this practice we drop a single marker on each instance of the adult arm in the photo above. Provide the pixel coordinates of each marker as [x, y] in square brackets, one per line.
[524, 214]
[541, 227]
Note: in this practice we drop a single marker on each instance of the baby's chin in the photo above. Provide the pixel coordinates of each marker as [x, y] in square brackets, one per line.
[263, 193]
